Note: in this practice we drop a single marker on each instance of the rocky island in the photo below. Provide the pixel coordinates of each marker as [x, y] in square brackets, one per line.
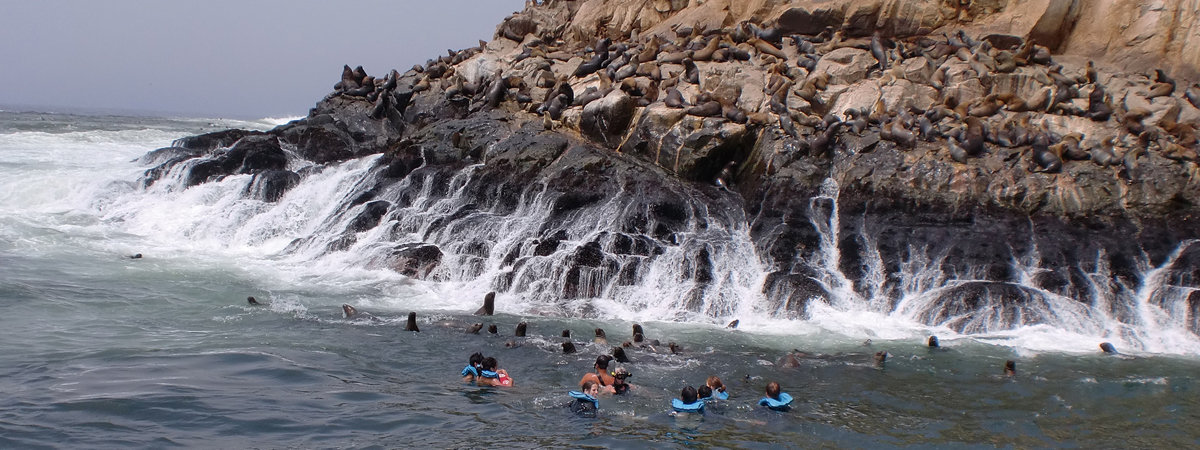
[975, 164]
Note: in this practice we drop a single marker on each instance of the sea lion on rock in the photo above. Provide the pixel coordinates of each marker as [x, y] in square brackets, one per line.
[711, 108]
[878, 51]
[1192, 95]
[489, 305]
[674, 99]
[1043, 157]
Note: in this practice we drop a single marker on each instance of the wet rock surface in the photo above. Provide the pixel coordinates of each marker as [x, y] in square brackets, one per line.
[811, 128]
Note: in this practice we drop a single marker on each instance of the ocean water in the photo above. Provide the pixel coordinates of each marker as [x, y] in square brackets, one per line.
[105, 351]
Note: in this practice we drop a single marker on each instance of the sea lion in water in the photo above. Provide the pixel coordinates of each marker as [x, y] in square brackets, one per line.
[353, 314]
[1108, 348]
[492, 329]
[474, 329]
[568, 347]
[600, 337]
[732, 325]
[618, 354]
[1010, 368]
[252, 301]
[933, 342]
[489, 305]
[135, 256]
[521, 327]
[566, 333]
[411, 325]
[880, 358]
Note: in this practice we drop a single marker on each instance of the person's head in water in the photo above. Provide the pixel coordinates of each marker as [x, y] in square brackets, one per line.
[704, 392]
[714, 383]
[591, 388]
[688, 395]
[476, 360]
[621, 380]
[773, 390]
[602, 362]
[490, 363]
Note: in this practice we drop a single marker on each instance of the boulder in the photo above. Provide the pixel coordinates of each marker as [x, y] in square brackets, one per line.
[846, 65]
[605, 120]
[416, 260]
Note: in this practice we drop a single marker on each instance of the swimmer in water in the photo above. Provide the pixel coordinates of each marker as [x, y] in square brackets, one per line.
[688, 402]
[776, 400]
[584, 403]
[471, 372]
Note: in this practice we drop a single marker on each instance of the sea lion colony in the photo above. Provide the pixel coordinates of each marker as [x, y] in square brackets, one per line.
[952, 93]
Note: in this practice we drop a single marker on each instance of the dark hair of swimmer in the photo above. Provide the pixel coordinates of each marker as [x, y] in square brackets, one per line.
[602, 362]
[704, 392]
[773, 390]
[688, 394]
[476, 359]
[490, 363]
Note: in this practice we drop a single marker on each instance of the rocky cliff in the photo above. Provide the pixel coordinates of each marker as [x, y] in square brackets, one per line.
[975, 164]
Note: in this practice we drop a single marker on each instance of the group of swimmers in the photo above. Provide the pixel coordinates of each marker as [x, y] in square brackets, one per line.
[484, 372]
[585, 402]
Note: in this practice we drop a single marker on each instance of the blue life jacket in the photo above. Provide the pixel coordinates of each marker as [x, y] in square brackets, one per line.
[721, 395]
[488, 374]
[783, 404]
[470, 370]
[587, 398]
[680, 406]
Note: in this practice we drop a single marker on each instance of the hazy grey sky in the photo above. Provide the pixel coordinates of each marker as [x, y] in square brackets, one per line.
[219, 58]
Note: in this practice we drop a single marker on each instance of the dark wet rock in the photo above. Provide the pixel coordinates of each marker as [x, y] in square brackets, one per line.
[214, 140]
[417, 260]
[369, 216]
[320, 144]
[271, 185]
[605, 120]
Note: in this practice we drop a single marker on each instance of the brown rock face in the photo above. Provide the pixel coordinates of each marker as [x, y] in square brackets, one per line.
[1160, 33]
